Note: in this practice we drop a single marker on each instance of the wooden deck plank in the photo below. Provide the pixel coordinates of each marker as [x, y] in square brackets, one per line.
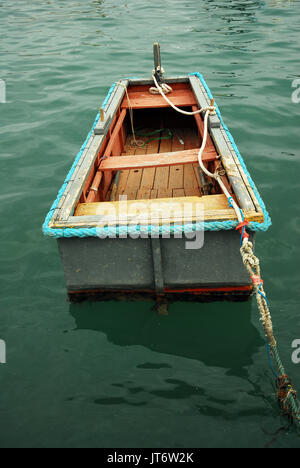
[176, 177]
[176, 172]
[192, 192]
[133, 181]
[164, 193]
[143, 194]
[130, 193]
[177, 193]
[148, 175]
[135, 174]
[196, 174]
[124, 174]
[122, 183]
[178, 137]
[161, 180]
[147, 180]
[189, 177]
[191, 140]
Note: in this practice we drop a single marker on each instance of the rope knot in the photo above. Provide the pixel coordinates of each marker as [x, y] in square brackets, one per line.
[256, 279]
[286, 391]
[212, 110]
[242, 228]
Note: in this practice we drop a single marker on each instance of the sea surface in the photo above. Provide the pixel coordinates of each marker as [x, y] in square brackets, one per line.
[117, 374]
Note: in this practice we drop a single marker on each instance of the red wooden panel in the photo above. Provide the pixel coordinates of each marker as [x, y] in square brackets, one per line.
[145, 100]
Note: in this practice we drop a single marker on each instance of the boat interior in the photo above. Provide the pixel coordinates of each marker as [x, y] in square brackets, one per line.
[161, 162]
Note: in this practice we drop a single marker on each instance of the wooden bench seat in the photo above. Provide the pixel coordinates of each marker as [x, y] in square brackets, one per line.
[155, 160]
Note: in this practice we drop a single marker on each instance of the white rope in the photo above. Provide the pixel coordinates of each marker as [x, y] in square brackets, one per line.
[216, 174]
[165, 88]
[160, 90]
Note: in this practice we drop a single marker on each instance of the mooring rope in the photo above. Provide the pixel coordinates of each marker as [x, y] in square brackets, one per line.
[286, 393]
[165, 89]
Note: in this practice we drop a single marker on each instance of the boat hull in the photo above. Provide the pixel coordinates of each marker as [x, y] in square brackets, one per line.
[106, 268]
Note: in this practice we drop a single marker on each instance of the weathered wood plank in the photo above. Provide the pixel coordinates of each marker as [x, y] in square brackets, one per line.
[176, 177]
[149, 81]
[203, 100]
[242, 172]
[178, 193]
[115, 134]
[145, 100]
[164, 193]
[147, 181]
[192, 192]
[232, 171]
[73, 195]
[135, 174]
[153, 160]
[111, 107]
[215, 207]
[161, 180]
[189, 178]
[124, 174]
[176, 172]
[143, 194]
[94, 221]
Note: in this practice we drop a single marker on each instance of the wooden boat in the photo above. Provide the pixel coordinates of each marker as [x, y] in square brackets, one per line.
[114, 233]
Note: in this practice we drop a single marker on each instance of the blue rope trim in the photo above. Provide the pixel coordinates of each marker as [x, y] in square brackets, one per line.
[150, 230]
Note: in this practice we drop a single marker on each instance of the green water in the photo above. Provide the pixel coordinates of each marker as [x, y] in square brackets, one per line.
[109, 375]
